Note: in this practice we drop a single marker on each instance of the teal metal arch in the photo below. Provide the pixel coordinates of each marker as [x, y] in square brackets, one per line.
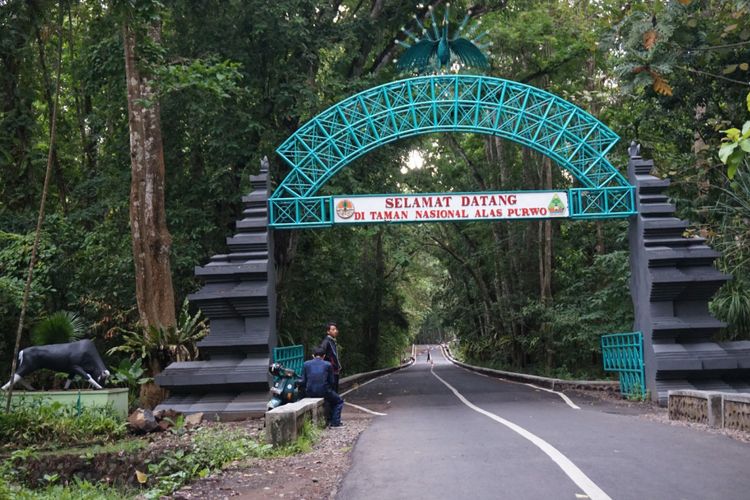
[570, 136]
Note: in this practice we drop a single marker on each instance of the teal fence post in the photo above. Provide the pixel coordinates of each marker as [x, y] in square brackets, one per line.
[291, 357]
[623, 353]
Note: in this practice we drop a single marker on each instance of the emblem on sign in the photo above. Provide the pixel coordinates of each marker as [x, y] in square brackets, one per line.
[345, 209]
[556, 206]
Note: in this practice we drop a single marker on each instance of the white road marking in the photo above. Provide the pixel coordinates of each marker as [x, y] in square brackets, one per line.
[564, 397]
[365, 409]
[568, 467]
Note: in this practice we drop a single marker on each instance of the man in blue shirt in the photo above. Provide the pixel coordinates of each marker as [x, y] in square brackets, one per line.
[317, 380]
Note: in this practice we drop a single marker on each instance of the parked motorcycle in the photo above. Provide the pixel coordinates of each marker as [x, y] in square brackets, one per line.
[285, 388]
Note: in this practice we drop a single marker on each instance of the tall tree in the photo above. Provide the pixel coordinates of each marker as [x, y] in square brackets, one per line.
[148, 218]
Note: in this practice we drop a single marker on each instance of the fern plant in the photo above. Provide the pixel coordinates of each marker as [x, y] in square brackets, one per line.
[159, 346]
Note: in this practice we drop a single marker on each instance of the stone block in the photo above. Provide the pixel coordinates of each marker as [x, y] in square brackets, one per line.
[284, 423]
[736, 411]
[691, 406]
[715, 410]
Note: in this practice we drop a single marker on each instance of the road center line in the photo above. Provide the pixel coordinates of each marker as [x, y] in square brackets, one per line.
[568, 467]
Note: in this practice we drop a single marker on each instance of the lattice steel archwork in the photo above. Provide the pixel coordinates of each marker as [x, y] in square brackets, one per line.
[570, 136]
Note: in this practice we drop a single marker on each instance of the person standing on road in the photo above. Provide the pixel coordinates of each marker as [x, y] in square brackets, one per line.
[331, 355]
[317, 380]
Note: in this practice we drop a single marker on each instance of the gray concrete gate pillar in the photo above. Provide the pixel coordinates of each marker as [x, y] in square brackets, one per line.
[673, 278]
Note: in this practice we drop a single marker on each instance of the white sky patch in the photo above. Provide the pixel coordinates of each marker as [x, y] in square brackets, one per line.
[414, 161]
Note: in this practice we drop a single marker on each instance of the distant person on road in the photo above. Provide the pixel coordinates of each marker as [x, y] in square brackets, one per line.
[331, 355]
[429, 360]
[317, 380]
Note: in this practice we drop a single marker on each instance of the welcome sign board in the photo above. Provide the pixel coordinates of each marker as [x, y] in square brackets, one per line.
[449, 207]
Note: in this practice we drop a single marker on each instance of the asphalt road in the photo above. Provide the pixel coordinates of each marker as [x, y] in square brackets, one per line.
[484, 438]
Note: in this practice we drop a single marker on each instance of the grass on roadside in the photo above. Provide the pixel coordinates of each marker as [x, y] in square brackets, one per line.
[77, 490]
[211, 450]
[307, 437]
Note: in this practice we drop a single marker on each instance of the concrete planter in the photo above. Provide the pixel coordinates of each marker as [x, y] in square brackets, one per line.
[117, 397]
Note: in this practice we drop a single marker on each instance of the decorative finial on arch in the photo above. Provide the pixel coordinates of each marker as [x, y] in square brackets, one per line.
[437, 48]
[634, 151]
[264, 165]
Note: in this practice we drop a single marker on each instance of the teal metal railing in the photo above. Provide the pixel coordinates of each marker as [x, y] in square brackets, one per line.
[291, 357]
[623, 353]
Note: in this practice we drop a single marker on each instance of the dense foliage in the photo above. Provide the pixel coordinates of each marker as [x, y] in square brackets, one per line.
[202, 451]
[41, 424]
[235, 78]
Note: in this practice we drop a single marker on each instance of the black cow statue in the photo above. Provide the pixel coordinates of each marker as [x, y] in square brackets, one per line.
[75, 358]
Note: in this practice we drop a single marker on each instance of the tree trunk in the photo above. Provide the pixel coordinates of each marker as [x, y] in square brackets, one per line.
[15, 103]
[377, 291]
[83, 105]
[601, 247]
[148, 219]
[62, 189]
[546, 284]
[481, 285]
[545, 242]
[591, 84]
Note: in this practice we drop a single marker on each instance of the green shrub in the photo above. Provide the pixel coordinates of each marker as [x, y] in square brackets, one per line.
[132, 375]
[78, 490]
[42, 424]
[211, 450]
[304, 442]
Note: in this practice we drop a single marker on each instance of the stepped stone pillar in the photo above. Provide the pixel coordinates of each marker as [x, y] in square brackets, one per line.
[673, 278]
[239, 299]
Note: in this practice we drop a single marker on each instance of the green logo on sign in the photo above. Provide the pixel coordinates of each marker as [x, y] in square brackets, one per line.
[556, 206]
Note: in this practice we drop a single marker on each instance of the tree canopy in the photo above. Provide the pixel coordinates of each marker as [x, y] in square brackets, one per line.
[233, 79]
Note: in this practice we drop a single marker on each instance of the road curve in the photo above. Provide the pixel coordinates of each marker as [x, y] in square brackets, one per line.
[451, 433]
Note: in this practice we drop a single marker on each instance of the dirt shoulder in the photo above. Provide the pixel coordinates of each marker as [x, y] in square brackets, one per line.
[313, 475]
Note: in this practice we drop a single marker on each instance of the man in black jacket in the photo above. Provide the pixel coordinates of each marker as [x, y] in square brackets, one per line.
[317, 379]
[331, 352]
